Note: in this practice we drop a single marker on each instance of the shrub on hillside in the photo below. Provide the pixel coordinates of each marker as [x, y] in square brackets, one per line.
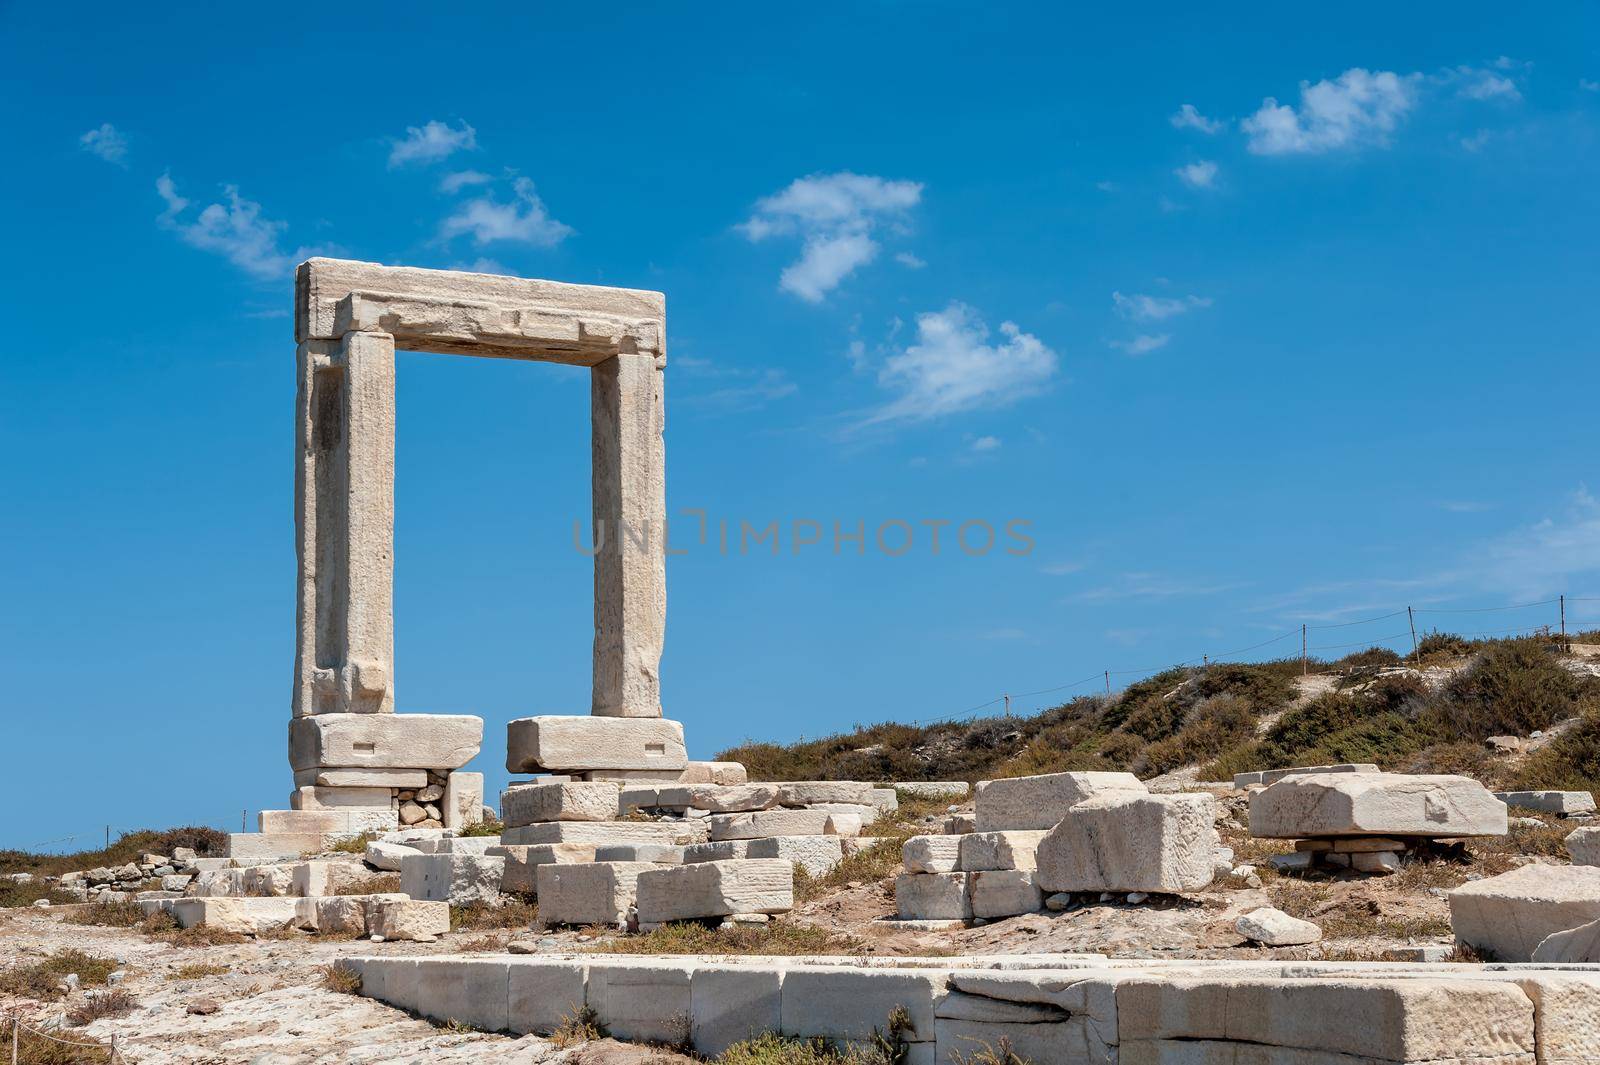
[1212, 727]
[1570, 762]
[1512, 687]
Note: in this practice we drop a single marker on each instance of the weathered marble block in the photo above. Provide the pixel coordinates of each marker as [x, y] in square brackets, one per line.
[931, 854]
[815, 854]
[594, 893]
[575, 801]
[395, 741]
[1511, 914]
[1125, 841]
[593, 743]
[933, 897]
[716, 889]
[1375, 804]
[1039, 802]
[999, 850]
[770, 823]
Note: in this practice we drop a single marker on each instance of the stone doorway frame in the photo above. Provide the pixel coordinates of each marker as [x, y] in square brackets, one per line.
[350, 317]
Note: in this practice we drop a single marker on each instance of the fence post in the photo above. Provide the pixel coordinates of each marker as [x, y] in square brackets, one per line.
[1564, 644]
[1305, 665]
[1108, 682]
[1411, 616]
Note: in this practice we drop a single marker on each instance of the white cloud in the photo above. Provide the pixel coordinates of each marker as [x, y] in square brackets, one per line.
[524, 220]
[431, 142]
[953, 367]
[107, 142]
[234, 230]
[1153, 586]
[1547, 557]
[1201, 175]
[835, 215]
[1186, 117]
[1143, 344]
[1106, 186]
[483, 265]
[1358, 107]
[453, 183]
[734, 387]
[1588, 86]
[986, 443]
[1156, 308]
[909, 261]
[1478, 84]
[1476, 142]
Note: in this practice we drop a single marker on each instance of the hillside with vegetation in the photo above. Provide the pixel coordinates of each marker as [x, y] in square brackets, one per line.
[1431, 711]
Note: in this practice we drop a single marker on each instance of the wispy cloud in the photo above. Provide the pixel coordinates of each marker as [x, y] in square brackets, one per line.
[1187, 117]
[732, 388]
[954, 366]
[1062, 569]
[233, 229]
[1465, 506]
[1142, 308]
[431, 142]
[909, 261]
[107, 142]
[453, 183]
[1357, 108]
[1143, 344]
[1588, 86]
[1547, 557]
[986, 443]
[1200, 175]
[482, 265]
[524, 219]
[836, 216]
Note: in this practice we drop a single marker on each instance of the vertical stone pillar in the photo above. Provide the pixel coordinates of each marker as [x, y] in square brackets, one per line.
[630, 511]
[344, 516]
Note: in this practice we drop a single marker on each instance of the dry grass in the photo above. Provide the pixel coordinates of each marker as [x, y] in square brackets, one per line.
[354, 844]
[40, 980]
[580, 1026]
[113, 1003]
[876, 861]
[200, 936]
[483, 945]
[15, 896]
[340, 978]
[380, 884]
[1001, 1053]
[35, 1049]
[774, 937]
[204, 841]
[197, 970]
[485, 827]
[123, 914]
[517, 915]
[774, 1049]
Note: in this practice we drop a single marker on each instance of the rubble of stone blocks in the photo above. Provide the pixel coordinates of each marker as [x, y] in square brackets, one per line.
[1368, 822]
[383, 916]
[1059, 833]
[1056, 1009]
[641, 852]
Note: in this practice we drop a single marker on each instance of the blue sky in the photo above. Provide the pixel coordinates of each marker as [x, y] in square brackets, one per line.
[1254, 321]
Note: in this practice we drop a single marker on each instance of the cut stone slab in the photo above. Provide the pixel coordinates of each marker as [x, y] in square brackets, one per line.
[654, 853]
[361, 778]
[1039, 802]
[642, 1003]
[840, 824]
[807, 792]
[724, 850]
[462, 802]
[590, 743]
[730, 799]
[815, 854]
[982, 851]
[1125, 841]
[349, 821]
[388, 856]
[1375, 804]
[931, 854]
[265, 846]
[733, 1003]
[770, 823]
[1584, 846]
[1509, 915]
[716, 889]
[318, 797]
[544, 993]
[849, 1004]
[1550, 802]
[1004, 893]
[1573, 946]
[887, 800]
[677, 833]
[714, 773]
[1274, 928]
[458, 879]
[327, 877]
[1322, 1021]
[632, 776]
[592, 893]
[522, 863]
[388, 741]
[1272, 776]
[575, 801]
[933, 789]
[933, 897]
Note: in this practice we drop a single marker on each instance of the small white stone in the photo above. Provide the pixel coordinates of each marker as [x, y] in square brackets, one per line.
[1274, 928]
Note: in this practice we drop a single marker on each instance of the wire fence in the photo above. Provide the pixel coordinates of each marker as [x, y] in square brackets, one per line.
[113, 1056]
[1561, 621]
